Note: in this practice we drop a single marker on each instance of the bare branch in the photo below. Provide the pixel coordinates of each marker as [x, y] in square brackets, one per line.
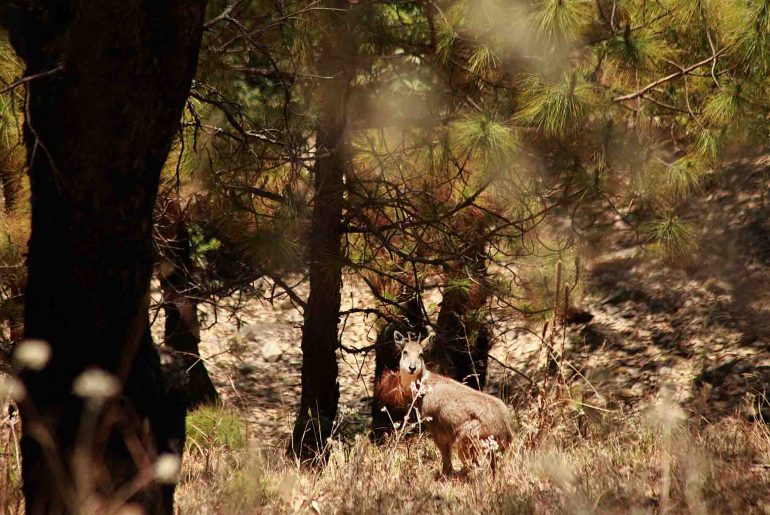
[30, 78]
[670, 77]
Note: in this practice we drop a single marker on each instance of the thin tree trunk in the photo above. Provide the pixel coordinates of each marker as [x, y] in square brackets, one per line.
[320, 389]
[11, 181]
[182, 331]
[10, 176]
[99, 129]
[462, 333]
[16, 313]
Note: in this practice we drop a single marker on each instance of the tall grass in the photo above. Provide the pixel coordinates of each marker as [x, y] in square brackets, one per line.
[657, 460]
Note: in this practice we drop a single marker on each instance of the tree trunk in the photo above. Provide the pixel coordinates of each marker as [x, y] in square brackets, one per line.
[182, 331]
[320, 389]
[11, 181]
[99, 127]
[462, 333]
[11, 178]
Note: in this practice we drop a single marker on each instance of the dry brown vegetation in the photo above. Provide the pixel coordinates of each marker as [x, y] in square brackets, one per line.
[651, 462]
[655, 405]
[643, 463]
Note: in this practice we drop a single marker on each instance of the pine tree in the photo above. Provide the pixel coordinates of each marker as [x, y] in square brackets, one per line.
[94, 182]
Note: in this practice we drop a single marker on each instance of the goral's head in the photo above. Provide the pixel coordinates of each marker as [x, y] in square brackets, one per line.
[412, 364]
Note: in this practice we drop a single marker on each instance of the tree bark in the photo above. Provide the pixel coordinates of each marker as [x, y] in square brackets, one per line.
[98, 132]
[463, 338]
[182, 331]
[11, 171]
[320, 389]
[11, 182]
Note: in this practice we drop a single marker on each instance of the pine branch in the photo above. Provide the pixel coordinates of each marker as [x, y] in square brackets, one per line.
[670, 77]
[30, 78]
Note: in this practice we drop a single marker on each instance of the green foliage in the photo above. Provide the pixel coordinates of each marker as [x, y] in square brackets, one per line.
[210, 427]
[671, 237]
[709, 143]
[493, 143]
[682, 178]
[637, 50]
[557, 109]
[200, 245]
[560, 19]
[482, 60]
[752, 34]
[525, 126]
[724, 106]
[459, 284]
[10, 102]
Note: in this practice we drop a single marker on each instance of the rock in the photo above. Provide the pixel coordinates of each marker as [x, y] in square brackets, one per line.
[626, 393]
[717, 375]
[718, 286]
[271, 352]
[596, 336]
[246, 368]
[249, 332]
[616, 297]
[663, 339]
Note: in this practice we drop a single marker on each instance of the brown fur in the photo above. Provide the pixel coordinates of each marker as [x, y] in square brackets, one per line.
[391, 394]
[463, 417]
[459, 415]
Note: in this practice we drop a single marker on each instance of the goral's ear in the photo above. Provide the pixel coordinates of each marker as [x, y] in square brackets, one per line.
[399, 339]
[429, 340]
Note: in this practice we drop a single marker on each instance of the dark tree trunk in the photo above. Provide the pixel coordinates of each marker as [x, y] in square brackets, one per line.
[11, 180]
[182, 331]
[387, 357]
[99, 129]
[320, 389]
[480, 355]
[463, 338]
[15, 311]
[10, 176]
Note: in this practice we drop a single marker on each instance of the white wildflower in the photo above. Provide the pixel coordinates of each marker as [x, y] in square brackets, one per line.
[96, 384]
[489, 444]
[420, 418]
[167, 468]
[666, 415]
[419, 388]
[12, 388]
[32, 355]
[346, 411]
[415, 388]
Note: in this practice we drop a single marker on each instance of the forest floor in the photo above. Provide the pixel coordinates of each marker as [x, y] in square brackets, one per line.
[656, 404]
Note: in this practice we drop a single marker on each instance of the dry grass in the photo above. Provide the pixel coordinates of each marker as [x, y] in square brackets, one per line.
[657, 461]
[654, 462]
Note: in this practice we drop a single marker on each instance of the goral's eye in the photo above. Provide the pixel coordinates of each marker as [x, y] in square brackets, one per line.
[421, 355]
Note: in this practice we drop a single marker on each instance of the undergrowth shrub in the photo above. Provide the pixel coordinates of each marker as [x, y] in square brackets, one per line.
[210, 427]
